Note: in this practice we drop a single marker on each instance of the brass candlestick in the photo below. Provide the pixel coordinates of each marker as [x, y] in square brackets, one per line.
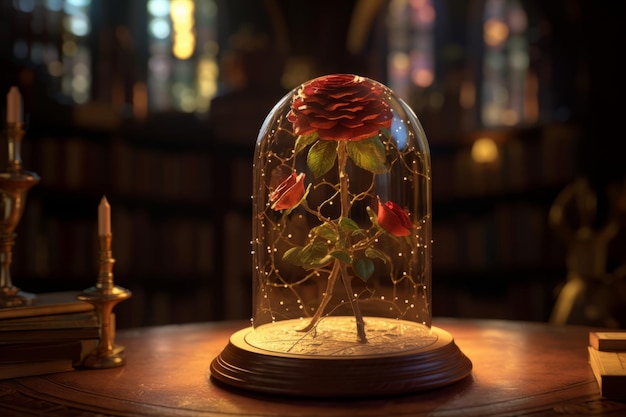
[104, 296]
[14, 186]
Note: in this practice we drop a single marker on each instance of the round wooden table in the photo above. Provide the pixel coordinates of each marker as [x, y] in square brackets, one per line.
[519, 368]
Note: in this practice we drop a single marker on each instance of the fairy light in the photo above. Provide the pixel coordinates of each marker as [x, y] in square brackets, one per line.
[291, 293]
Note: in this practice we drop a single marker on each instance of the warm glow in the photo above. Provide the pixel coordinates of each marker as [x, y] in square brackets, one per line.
[207, 71]
[400, 62]
[422, 77]
[183, 45]
[495, 32]
[423, 12]
[484, 150]
[184, 39]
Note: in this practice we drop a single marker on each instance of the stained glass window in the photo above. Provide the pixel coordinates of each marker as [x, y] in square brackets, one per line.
[505, 63]
[411, 60]
[54, 35]
[182, 65]
[483, 60]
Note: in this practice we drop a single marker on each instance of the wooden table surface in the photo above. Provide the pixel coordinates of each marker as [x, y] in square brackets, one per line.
[519, 369]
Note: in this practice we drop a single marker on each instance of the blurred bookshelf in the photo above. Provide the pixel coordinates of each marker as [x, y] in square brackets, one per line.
[179, 181]
[161, 185]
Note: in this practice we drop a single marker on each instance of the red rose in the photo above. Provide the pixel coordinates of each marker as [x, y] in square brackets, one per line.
[394, 219]
[340, 107]
[288, 193]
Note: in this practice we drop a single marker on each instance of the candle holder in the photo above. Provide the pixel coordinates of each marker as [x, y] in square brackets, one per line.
[14, 186]
[104, 296]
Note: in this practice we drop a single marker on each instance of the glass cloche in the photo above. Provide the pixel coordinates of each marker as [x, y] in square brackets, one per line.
[341, 246]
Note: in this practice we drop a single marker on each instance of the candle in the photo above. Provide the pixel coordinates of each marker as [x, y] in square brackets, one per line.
[104, 217]
[14, 106]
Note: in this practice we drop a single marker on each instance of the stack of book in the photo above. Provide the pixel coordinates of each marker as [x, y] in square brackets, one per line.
[52, 335]
[607, 358]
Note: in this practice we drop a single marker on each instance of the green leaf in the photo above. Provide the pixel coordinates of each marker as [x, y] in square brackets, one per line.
[325, 232]
[375, 253]
[348, 225]
[320, 262]
[369, 154]
[385, 132]
[321, 157]
[341, 255]
[312, 254]
[304, 141]
[363, 268]
[294, 255]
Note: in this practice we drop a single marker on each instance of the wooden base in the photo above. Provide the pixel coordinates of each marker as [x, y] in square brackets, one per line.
[246, 367]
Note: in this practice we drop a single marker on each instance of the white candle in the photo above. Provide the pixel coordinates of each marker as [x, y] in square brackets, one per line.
[14, 106]
[104, 217]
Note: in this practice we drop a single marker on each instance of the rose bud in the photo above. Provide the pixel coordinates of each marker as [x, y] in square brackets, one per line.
[288, 193]
[394, 219]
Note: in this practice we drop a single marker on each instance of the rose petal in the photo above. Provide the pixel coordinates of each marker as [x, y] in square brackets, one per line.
[289, 193]
[394, 219]
[340, 107]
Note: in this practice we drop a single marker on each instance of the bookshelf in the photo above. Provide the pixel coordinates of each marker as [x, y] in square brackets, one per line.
[495, 253]
[159, 177]
[181, 221]
[179, 186]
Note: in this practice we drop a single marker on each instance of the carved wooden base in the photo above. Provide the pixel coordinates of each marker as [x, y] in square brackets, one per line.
[246, 367]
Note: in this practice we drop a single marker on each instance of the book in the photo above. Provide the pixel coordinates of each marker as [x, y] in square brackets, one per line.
[52, 321]
[608, 341]
[48, 328]
[20, 369]
[609, 369]
[46, 335]
[48, 303]
[76, 350]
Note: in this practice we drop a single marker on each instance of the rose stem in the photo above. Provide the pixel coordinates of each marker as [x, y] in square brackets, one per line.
[327, 296]
[342, 160]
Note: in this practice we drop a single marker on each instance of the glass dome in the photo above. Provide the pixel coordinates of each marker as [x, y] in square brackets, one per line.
[341, 222]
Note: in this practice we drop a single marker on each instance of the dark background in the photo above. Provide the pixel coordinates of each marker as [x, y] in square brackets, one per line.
[183, 249]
